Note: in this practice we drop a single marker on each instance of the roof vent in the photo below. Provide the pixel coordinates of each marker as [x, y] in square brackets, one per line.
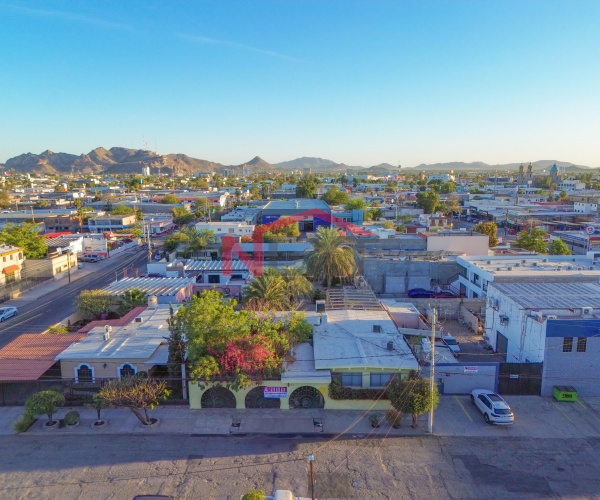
[570, 268]
[559, 268]
[523, 261]
[498, 269]
[138, 319]
[107, 330]
[509, 268]
[534, 264]
[544, 260]
[390, 346]
[377, 328]
[489, 261]
[518, 264]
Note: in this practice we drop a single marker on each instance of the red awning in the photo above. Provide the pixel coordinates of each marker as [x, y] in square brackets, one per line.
[10, 269]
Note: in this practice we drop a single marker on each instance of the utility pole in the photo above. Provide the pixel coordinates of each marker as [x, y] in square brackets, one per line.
[311, 459]
[69, 263]
[432, 373]
[397, 185]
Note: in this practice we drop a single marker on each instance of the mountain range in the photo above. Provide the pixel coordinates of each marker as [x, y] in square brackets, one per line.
[119, 160]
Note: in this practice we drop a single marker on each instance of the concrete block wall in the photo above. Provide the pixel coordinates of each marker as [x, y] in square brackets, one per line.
[452, 379]
[448, 308]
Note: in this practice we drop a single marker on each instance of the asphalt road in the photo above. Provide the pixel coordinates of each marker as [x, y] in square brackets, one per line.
[189, 467]
[50, 309]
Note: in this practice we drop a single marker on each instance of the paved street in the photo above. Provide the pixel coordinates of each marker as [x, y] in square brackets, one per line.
[101, 467]
[36, 316]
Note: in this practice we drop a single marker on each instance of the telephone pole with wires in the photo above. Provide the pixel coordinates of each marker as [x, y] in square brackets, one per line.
[432, 372]
[311, 459]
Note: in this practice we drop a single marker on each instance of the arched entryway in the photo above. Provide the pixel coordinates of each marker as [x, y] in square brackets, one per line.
[307, 397]
[255, 399]
[218, 397]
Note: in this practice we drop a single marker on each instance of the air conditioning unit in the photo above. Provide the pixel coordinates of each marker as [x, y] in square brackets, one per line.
[551, 316]
[496, 304]
[559, 268]
[504, 320]
[509, 268]
[534, 264]
[489, 261]
[544, 260]
[518, 264]
[536, 315]
[587, 310]
[498, 269]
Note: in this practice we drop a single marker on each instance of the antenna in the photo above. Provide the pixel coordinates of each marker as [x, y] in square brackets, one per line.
[144, 143]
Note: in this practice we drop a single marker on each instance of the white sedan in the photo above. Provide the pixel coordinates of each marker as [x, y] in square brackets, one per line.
[495, 410]
[8, 312]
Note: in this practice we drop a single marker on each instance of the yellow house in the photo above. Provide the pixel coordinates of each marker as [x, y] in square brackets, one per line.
[11, 263]
[359, 349]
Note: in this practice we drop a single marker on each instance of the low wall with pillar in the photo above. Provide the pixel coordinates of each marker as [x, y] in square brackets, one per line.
[237, 398]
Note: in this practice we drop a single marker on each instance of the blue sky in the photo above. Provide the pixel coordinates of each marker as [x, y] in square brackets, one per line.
[359, 82]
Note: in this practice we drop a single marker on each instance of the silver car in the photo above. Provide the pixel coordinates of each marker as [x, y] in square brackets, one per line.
[495, 410]
[8, 312]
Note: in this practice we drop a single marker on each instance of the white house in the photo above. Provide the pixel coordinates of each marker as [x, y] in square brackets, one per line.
[555, 324]
[221, 228]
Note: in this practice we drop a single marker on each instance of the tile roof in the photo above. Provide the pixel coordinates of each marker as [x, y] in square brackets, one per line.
[30, 355]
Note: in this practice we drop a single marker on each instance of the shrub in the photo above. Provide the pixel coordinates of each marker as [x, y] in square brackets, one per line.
[44, 403]
[113, 315]
[255, 495]
[72, 418]
[375, 420]
[58, 329]
[336, 391]
[24, 423]
[98, 404]
[394, 417]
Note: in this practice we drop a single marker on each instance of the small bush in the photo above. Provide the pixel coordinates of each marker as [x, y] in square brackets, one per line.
[375, 420]
[24, 423]
[44, 402]
[58, 329]
[255, 495]
[336, 391]
[394, 417]
[72, 418]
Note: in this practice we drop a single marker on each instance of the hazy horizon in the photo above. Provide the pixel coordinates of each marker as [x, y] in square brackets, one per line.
[360, 83]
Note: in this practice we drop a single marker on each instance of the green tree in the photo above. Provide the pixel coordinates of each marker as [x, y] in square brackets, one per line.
[4, 199]
[334, 196]
[41, 204]
[136, 393]
[532, 240]
[558, 247]
[132, 298]
[173, 241]
[412, 396]
[375, 214]
[307, 187]
[181, 216]
[267, 292]
[429, 201]
[25, 236]
[489, 228]
[170, 199]
[177, 345]
[332, 258]
[44, 403]
[93, 302]
[298, 287]
[77, 203]
[355, 204]
[195, 241]
[121, 210]
[448, 187]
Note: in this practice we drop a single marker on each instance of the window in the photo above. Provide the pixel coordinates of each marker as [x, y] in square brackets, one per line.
[11, 256]
[381, 379]
[3, 259]
[581, 344]
[84, 374]
[231, 230]
[351, 379]
[10, 277]
[127, 371]
[213, 278]
[376, 328]
[567, 344]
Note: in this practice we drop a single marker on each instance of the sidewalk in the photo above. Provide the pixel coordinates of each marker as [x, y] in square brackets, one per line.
[53, 285]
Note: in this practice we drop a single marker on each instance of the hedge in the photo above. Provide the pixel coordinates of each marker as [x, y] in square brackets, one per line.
[336, 391]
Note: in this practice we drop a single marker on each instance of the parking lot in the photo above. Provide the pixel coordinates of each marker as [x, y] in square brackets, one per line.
[535, 417]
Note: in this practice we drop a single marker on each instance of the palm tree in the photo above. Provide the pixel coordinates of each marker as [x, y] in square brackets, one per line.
[331, 258]
[298, 287]
[268, 291]
[132, 298]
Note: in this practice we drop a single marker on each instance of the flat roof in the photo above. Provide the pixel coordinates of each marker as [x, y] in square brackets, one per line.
[296, 204]
[551, 295]
[135, 340]
[151, 286]
[345, 340]
[534, 265]
[302, 368]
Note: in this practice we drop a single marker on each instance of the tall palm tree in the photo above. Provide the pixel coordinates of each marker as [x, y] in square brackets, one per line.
[298, 287]
[267, 292]
[132, 298]
[332, 257]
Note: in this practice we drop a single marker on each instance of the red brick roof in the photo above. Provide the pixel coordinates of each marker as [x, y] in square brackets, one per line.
[123, 321]
[30, 355]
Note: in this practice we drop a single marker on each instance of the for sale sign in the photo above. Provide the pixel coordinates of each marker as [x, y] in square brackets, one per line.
[275, 392]
[471, 369]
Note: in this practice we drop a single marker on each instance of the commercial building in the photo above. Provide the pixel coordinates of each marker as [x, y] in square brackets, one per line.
[220, 228]
[58, 223]
[464, 242]
[477, 272]
[11, 263]
[275, 210]
[580, 242]
[556, 324]
[52, 266]
[111, 223]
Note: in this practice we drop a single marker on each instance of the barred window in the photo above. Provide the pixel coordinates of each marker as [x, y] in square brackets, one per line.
[581, 344]
[567, 344]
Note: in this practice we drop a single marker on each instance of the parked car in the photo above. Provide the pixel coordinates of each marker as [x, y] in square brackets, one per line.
[452, 344]
[8, 312]
[444, 294]
[421, 293]
[495, 410]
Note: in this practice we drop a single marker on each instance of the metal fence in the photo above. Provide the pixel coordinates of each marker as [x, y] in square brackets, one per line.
[13, 289]
[76, 393]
